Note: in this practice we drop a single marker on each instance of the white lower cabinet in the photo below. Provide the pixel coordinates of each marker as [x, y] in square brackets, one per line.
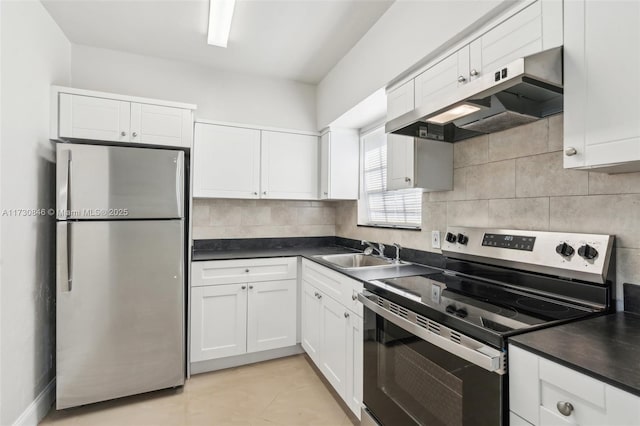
[333, 341]
[332, 336]
[544, 393]
[234, 318]
[271, 316]
[218, 321]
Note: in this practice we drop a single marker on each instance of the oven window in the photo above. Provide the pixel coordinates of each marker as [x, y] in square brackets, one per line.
[408, 381]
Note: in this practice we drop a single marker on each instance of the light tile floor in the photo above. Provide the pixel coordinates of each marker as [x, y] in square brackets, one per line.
[285, 391]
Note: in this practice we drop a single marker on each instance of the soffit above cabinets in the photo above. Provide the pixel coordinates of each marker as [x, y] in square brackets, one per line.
[297, 40]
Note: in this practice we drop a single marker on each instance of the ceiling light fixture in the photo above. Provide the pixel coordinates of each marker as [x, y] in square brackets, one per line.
[453, 114]
[220, 16]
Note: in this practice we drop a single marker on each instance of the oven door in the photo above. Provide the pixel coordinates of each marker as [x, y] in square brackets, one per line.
[419, 372]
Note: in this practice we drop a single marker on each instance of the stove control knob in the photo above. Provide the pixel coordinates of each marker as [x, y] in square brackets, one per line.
[463, 239]
[451, 238]
[462, 313]
[564, 249]
[588, 252]
[451, 309]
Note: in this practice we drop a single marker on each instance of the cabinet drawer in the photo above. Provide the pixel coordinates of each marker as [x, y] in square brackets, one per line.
[569, 382]
[333, 284]
[216, 272]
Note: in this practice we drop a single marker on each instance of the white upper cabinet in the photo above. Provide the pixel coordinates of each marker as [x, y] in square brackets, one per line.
[442, 77]
[289, 167]
[400, 162]
[419, 163]
[401, 100]
[160, 125]
[88, 115]
[226, 162]
[601, 88]
[339, 164]
[241, 162]
[531, 29]
[518, 36]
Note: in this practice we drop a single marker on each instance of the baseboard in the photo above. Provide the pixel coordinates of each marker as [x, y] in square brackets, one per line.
[39, 408]
[235, 361]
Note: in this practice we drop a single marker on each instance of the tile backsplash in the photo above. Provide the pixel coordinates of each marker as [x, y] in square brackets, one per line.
[515, 179]
[225, 218]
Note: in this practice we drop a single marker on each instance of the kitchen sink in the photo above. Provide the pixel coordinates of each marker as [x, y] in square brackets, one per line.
[358, 260]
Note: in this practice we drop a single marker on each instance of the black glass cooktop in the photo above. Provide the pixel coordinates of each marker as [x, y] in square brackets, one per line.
[475, 307]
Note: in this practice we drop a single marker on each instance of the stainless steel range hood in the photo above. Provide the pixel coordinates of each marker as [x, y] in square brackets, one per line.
[517, 93]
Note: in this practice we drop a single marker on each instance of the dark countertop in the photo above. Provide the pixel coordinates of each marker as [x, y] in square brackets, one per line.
[606, 348]
[363, 275]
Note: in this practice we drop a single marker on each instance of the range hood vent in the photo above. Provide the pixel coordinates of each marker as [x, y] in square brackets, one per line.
[521, 92]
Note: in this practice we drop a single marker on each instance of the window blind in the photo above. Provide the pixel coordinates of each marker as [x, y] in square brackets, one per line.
[382, 207]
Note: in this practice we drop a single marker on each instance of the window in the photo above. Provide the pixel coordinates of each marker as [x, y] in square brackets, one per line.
[377, 206]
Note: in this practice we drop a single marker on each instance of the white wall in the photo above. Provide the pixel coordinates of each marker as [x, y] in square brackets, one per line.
[408, 32]
[220, 95]
[35, 54]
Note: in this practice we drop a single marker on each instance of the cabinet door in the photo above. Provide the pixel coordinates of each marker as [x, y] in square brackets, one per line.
[325, 170]
[289, 166]
[333, 341]
[518, 36]
[226, 162]
[354, 363]
[218, 321]
[311, 310]
[272, 315]
[612, 107]
[160, 125]
[433, 86]
[86, 117]
[339, 164]
[400, 162]
[400, 100]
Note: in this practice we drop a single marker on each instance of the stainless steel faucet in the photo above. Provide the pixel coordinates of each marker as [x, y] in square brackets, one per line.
[371, 248]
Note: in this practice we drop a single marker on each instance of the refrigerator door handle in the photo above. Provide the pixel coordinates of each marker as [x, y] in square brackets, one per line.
[63, 190]
[63, 252]
[179, 182]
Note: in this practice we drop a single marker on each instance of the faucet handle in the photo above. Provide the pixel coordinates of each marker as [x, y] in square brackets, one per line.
[398, 248]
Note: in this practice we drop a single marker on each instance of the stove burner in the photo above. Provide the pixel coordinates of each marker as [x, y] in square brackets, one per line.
[541, 305]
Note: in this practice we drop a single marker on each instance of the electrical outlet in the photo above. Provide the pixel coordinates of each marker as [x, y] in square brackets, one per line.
[435, 239]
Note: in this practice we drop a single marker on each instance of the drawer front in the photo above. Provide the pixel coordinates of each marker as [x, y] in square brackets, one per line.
[216, 272]
[569, 383]
[324, 279]
[341, 288]
[583, 413]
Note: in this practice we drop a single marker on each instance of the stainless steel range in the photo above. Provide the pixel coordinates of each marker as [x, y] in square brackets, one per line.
[435, 345]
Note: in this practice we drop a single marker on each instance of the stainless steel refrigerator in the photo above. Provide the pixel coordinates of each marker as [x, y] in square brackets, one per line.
[120, 272]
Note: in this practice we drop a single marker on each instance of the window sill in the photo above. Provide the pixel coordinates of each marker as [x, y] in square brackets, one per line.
[398, 227]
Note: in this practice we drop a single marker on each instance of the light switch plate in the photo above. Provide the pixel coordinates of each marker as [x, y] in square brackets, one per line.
[435, 239]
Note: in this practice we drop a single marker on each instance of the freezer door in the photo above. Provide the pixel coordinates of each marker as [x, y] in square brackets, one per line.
[113, 182]
[120, 309]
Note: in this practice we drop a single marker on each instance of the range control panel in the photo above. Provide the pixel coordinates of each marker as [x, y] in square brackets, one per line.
[512, 242]
[571, 255]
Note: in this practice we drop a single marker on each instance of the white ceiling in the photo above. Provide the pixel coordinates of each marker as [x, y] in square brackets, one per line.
[294, 39]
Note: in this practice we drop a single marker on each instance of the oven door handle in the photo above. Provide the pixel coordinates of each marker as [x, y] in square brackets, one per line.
[471, 350]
